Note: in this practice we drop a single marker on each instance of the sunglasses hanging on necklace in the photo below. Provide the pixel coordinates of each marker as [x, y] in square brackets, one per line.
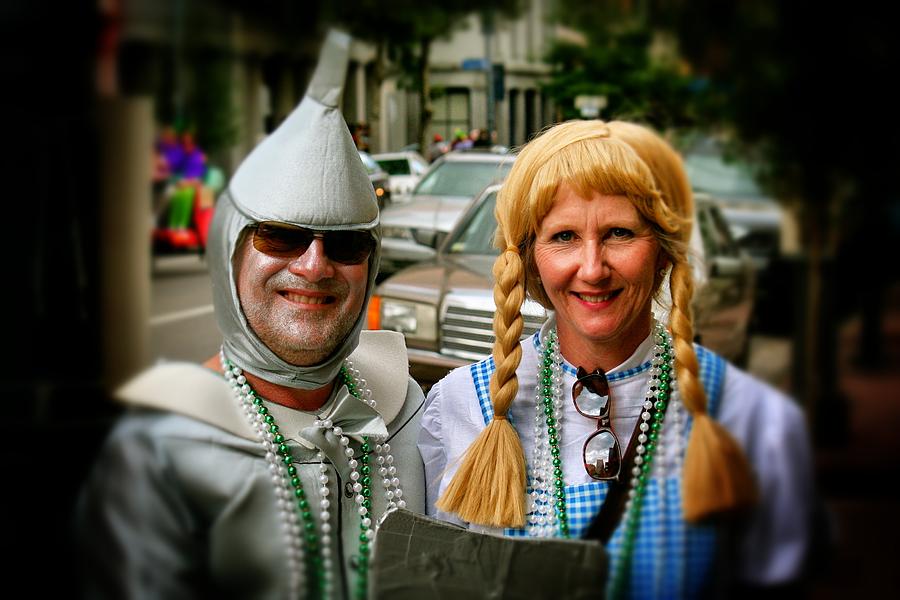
[602, 453]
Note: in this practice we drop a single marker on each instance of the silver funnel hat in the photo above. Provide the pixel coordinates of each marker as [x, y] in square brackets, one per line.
[307, 173]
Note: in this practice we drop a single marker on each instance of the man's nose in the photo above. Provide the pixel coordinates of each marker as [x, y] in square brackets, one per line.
[313, 265]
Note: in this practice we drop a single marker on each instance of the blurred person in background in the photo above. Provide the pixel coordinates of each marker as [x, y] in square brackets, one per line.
[608, 423]
[169, 145]
[438, 148]
[193, 163]
[481, 139]
[460, 140]
[264, 472]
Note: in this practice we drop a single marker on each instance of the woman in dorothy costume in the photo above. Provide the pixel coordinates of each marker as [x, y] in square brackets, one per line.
[608, 423]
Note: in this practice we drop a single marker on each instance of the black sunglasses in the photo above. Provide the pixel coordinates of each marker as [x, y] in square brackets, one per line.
[347, 247]
[602, 453]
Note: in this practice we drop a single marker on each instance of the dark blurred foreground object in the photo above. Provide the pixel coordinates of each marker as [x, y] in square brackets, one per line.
[417, 557]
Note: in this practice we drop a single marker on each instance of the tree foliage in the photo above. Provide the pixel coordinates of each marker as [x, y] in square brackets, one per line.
[624, 59]
[804, 88]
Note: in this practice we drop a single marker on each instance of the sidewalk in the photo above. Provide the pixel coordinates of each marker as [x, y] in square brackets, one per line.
[858, 480]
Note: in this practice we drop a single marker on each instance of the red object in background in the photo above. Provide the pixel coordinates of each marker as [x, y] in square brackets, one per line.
[176, 239]
[202, 219]
[193, 237]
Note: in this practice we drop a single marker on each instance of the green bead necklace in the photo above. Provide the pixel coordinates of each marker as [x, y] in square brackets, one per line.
[662, 377]
[309, 557]
[549, 516]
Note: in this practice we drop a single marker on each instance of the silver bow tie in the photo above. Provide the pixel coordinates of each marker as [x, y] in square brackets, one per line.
[355, 418]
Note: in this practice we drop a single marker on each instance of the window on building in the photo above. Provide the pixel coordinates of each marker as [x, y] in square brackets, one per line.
[513, 117]
[451, 112]
[530, 120]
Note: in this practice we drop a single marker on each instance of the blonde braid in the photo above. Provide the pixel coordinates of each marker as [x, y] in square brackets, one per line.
[489, 487]
[717, 476]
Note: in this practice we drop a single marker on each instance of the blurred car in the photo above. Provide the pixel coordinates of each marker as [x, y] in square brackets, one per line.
[755, 219]
[757, 223]
[379, 178]
[445, 306]
[411, 231]
[404, 170]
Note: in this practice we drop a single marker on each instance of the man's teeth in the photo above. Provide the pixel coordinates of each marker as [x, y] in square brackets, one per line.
[307, 299]
[602, 298]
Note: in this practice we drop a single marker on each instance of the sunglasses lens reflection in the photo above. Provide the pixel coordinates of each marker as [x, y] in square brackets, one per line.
[602, 458]
[591, 395]
[349, 247]
[590, 403]
[281, 241]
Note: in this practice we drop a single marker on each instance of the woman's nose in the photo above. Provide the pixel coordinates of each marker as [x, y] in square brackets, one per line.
[313, 264]
[594, 266]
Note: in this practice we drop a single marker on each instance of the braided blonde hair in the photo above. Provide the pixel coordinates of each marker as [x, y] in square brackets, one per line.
[615, 158]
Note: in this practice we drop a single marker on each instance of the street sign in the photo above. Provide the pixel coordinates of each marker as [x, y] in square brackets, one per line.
[474, 64]
[590, 106]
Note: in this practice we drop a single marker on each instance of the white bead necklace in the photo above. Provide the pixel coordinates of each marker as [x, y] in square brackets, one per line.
[543, 516]
[290, 494]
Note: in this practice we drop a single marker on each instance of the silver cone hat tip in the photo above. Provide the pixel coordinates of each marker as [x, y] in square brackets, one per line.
[308, 171]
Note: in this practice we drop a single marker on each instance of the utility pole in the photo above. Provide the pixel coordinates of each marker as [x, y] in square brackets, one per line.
[487, 28]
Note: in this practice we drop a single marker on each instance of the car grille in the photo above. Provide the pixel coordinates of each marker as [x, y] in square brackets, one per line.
[468, 333]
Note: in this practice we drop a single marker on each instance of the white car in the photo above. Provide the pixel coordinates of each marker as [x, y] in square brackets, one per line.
[412, 231]
[404, 170]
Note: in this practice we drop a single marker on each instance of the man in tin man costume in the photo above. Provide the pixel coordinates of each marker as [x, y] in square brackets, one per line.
[264, 473]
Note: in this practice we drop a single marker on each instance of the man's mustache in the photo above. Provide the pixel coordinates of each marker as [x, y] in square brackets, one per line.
[328, 286]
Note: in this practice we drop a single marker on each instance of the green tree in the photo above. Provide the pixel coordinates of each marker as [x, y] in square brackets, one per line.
[212, 110]
[624, 59]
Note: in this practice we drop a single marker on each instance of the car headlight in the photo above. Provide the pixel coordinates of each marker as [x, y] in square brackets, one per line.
[413, 319]
[399, 233]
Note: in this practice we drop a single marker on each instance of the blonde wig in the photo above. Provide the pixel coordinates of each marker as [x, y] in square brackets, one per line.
[615, 158]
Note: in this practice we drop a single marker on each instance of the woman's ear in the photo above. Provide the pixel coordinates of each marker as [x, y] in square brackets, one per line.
[662, 262]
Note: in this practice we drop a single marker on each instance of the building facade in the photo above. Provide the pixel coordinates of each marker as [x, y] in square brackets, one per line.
[230, 73]
[466, 94]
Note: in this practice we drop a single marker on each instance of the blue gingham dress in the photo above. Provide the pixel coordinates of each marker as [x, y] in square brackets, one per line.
[671, 558]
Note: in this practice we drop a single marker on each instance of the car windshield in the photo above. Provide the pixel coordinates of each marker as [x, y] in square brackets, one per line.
[476, 236]
[369, 162]
[462, 178]
[395, 166]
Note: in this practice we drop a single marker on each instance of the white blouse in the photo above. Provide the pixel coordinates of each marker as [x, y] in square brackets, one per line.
[768, 425]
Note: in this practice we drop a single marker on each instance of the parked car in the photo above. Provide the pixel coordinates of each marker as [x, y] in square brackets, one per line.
[755, 219]
[411, 231]
[404, 170]
[757, 223]
[379, 178]
[445, 306]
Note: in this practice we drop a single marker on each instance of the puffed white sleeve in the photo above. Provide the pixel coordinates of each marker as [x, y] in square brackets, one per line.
[431, 447]
[773, 431]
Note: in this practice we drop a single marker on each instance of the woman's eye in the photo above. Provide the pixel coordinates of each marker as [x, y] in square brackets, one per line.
[620, 233]
[564, 236]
